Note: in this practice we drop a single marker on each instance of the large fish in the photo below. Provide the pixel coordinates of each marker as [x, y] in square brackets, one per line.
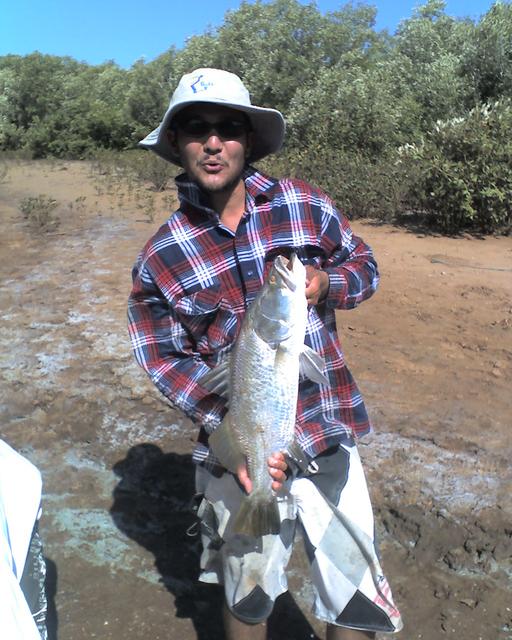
[260, 379]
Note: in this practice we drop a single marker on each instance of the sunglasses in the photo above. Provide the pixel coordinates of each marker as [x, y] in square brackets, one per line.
[229, 128]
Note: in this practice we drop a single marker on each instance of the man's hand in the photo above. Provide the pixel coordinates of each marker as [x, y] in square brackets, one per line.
[243, 478]
[277, 467]
[317, 285]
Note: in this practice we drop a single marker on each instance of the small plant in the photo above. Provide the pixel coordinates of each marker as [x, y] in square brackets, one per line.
[169, 201]
[98, 188]
[80, 203]
[104, 161]
[148, 207]
[120, 200]
[148, 167]
[39, 211]
[4, 170]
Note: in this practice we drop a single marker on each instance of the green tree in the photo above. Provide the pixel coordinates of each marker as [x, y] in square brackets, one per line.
[199, 51]
[465, 171]
[429, 51]
[347, 109]
[9, 138]
[488, 61]
[273, 46]
[146, 98]
[351, 29]
[34, 86]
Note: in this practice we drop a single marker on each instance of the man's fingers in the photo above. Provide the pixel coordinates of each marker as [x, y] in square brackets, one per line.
[243, 477]
[278, 461]
[277, 467]
[317, 285]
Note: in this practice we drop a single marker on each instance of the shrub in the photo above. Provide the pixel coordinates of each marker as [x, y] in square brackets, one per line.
[4, 170]
[465, 171]
[143, 166]
[39, 211]
[360, 186]
[106, 162]
[148, 167]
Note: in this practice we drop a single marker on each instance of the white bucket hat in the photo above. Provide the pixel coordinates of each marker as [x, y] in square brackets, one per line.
[219, 87]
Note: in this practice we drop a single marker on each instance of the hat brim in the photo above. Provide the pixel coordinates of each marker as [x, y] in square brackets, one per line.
[268, 127]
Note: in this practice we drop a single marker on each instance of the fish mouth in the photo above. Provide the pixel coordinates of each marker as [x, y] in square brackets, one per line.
[284, 268]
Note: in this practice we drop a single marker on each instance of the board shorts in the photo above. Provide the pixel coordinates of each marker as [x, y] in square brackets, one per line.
[330, 506]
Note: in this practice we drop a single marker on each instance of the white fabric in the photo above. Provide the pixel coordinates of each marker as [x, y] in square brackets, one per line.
[20, 498]
[339, 539]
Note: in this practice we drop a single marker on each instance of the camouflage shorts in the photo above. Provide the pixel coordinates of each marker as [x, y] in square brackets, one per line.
[330, 506]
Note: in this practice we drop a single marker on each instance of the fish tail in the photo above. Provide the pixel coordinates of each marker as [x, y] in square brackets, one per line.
[257, 517]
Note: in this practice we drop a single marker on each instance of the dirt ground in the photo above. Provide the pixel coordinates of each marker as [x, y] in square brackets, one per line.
[432, 352]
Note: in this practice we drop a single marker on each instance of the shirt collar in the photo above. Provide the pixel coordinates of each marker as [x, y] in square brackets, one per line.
[257, 184]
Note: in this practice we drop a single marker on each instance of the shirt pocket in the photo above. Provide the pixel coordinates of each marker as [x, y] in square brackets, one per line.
[208, 318]
[203, 302]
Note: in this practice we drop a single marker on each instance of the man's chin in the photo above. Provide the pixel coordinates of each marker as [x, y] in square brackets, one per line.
[219, 186]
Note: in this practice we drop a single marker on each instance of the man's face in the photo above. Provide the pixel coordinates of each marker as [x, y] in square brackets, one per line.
[213, 143]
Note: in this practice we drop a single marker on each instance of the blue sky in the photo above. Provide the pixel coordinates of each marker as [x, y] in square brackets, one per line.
[98, 30]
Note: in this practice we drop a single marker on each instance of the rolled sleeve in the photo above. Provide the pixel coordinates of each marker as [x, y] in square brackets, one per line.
[351, 267]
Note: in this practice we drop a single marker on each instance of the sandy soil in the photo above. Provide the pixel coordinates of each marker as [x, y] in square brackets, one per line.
[432, 352]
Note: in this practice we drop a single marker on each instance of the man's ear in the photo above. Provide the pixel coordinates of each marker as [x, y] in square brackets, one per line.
[173, 141]
[248, 149]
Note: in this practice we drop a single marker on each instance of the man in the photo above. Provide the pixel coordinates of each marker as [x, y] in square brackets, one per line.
[193, 283]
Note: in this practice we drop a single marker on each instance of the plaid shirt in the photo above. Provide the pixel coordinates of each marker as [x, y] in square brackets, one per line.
[195, 279]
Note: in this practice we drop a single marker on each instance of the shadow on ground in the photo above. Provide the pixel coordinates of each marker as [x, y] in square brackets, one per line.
[154, 505]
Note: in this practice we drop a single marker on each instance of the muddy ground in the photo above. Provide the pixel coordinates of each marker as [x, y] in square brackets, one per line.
[432, 352]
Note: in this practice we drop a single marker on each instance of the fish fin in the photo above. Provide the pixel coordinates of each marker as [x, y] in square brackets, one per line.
[312, 365]
[217, 379]
[257, 517]
[225, 446]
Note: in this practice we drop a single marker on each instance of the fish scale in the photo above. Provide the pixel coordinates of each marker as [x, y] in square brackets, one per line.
[262, 387]
[270, 406]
